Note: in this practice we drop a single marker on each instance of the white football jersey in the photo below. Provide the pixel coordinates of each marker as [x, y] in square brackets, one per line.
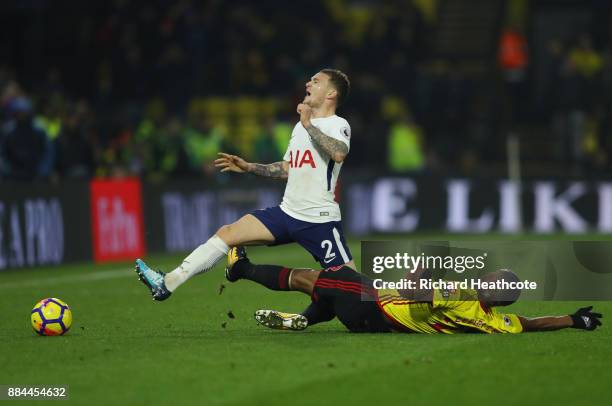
[309, 195]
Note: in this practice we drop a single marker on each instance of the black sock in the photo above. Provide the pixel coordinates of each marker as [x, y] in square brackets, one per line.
[271, 276]
[318, 313]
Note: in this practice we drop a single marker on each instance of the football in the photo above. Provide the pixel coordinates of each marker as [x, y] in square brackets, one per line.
[51, 317]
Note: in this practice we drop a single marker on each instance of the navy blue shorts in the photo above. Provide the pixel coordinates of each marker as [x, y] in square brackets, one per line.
[325, 241]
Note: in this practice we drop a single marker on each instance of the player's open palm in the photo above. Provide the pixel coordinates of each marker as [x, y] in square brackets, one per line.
[231, 163]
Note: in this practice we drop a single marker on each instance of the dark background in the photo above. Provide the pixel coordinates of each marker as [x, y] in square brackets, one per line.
[156, 88]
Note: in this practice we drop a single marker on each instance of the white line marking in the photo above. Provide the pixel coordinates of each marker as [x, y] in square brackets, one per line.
[94, 276]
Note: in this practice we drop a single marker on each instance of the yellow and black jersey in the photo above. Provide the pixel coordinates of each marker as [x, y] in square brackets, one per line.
[451, 311]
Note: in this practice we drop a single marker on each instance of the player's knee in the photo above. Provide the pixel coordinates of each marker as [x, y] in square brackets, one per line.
[304, 280]
[226, 234]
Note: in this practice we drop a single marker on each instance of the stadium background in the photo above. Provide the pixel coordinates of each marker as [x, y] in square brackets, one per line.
[470, 118]
[154, 89]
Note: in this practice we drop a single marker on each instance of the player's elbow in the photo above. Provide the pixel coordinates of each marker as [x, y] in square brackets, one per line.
[338, 157]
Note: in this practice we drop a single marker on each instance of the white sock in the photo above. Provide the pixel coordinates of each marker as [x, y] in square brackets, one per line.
[200, 260]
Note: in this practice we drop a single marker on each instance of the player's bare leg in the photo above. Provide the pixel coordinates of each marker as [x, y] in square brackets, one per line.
[248, 230]
[303, 280]
[245, 231]
[351, 264]
[273, 277]
[276, 277]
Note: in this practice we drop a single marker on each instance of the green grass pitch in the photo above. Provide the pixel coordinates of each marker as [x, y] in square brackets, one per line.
[124, 348]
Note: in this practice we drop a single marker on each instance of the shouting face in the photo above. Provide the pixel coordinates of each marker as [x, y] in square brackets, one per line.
[318, 89]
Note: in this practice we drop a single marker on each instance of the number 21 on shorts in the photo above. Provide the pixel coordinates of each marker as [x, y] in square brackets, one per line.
[330, 255]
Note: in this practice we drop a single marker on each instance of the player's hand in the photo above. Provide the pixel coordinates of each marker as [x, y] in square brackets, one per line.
[305, 112]
[231, 163]
[585, 319]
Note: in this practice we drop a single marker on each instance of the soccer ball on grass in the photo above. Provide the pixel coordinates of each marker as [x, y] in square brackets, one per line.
[51, 317]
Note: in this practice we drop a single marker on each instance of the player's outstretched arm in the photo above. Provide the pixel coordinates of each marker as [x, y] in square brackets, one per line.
[276, 170]
[583, 319]
[233, 163]
[337, 150]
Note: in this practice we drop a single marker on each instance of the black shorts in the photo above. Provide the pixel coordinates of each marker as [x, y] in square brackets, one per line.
[348, 295]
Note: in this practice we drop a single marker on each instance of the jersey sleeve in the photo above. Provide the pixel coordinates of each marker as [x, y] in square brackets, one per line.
[339, 130]
[472, 315]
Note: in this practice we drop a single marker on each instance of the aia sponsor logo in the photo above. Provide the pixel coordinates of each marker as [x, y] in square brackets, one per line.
[301, 158]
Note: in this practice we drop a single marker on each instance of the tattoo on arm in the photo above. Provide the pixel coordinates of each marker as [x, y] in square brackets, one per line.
[277, 170]
[329, 145]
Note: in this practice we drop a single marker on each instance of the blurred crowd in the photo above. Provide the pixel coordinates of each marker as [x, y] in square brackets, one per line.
[577, 102]
[157, 88]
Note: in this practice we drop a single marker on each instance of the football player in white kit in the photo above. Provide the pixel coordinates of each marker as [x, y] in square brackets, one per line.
[308, 214]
